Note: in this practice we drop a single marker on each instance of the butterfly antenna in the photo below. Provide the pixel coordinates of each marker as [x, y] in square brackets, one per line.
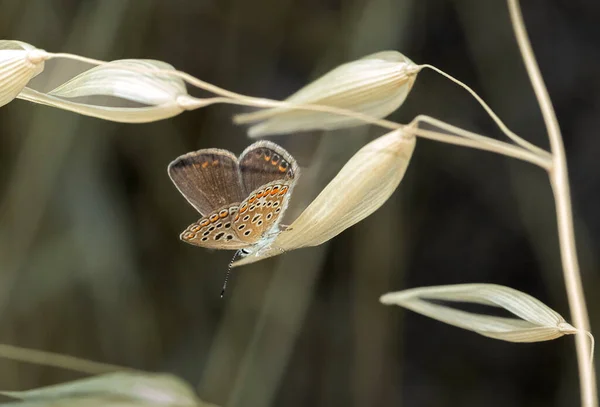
[228, 272]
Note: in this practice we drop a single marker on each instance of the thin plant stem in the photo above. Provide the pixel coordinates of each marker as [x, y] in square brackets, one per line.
[509, 133]
[542, 158]
[560, 187]
[465, 138]
[492, 146]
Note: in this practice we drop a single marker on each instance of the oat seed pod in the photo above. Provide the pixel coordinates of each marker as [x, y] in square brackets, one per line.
[132, 80]
[535, 321]
[375, 85]
[364, 184]
[19, 63]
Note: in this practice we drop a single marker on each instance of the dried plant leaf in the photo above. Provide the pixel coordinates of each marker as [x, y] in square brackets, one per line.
[122, 388]
[538, 322]
[364, 184]
[19, 63]
[145, 114]
[375, 85]
[129, 79]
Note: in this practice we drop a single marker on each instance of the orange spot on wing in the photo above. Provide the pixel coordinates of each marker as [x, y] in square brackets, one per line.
[195, 228]
[205, 222]
[243, 208]
[215, 162]
[205, 164]
[252, 198]
[275, 190]
[213, 217]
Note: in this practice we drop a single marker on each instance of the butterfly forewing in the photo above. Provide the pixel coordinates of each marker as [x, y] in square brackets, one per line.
[259, 214]
[216, 231]
[264, 162]
[209, 179]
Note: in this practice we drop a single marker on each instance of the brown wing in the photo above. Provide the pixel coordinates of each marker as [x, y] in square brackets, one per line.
[209, 179]
[264, 162]
[215, 231]
[260, 213]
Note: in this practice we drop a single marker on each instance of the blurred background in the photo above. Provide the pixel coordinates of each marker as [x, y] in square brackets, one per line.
[90, 260]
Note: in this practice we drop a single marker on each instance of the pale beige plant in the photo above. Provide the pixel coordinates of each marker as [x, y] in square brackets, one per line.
[375, 85]
[364, 184]
[161, 94]
[19, 63]
[537, 321]
[362, 91]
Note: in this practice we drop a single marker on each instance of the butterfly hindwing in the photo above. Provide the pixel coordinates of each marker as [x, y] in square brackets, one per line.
[209, 179]
[260, 213]
[216, 230]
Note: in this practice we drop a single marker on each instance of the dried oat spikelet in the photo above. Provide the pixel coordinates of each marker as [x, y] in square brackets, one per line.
[132, 80]
[535, 321]
[19, 63]
[375, 85]
[364, 184]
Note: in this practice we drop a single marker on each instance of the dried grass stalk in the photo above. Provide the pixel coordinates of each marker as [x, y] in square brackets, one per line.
[364, 184]
[537, 322]
[375, 85]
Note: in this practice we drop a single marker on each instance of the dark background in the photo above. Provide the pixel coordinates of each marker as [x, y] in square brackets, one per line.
[91, 264]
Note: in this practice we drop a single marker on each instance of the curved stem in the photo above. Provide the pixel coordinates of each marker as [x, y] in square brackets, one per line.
[509, 133]
[542, 158]
[494, 146]
[465, 138]
[564, 214]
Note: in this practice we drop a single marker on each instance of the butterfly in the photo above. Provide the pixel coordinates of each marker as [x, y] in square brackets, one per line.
[241, 200]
